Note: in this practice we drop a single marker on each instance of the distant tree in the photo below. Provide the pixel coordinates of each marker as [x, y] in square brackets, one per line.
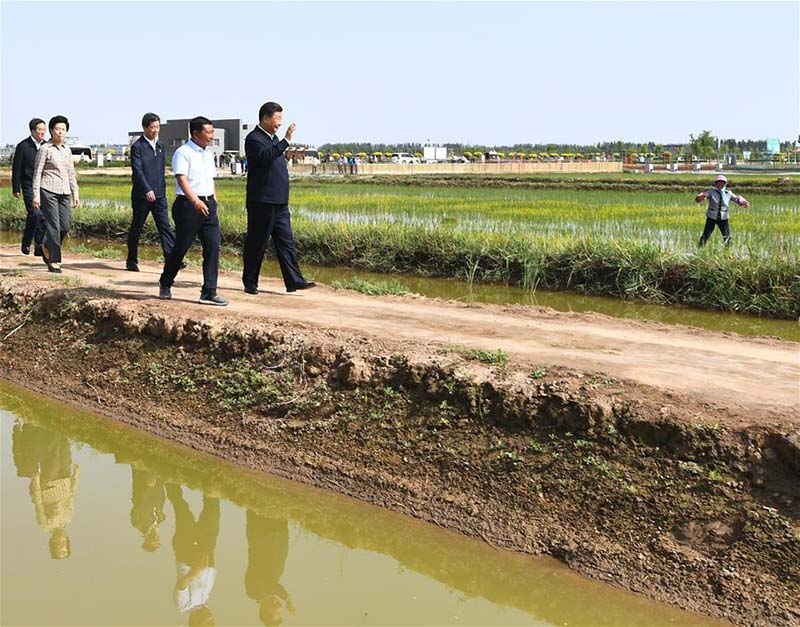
[704, 145]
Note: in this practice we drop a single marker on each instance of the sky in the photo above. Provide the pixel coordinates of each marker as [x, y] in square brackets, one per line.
[389, 72]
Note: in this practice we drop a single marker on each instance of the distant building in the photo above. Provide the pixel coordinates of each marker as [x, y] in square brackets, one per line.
[229, 135]
[80, 152]
[111, 152]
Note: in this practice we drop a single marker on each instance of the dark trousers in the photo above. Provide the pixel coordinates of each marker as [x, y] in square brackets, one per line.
[265, 220]
[57, 209]
[141, 208]
[188, 225]
[34, 227]
[724, 228]
[194, 542]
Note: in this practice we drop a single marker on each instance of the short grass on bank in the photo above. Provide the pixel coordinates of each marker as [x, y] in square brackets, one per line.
[630, 244]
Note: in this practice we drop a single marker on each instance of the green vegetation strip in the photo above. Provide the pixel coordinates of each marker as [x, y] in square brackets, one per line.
[629, 244]
[749, 183]
[372, 288]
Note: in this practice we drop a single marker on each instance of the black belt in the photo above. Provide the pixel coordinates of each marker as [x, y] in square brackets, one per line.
[206, 198]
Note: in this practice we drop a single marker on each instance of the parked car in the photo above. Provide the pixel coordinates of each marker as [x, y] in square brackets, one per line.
[404, 157]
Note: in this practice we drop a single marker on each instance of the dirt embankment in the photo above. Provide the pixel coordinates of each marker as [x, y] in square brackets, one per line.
[660, 492]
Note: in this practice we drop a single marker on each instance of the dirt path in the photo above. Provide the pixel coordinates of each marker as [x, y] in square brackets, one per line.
[750, 378]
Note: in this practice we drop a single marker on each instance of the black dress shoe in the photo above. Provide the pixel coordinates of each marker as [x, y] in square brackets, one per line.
[132, 267]
[250, 289]
[306, 285]
[26, 250]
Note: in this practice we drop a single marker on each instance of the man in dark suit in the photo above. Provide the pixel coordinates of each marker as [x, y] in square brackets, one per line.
[22, 182]
[268, 202]
[149, 193]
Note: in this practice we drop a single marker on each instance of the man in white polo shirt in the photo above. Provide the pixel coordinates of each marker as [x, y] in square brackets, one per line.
[195, 211]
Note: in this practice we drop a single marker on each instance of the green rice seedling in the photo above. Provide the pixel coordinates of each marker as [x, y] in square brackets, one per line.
[632, 241]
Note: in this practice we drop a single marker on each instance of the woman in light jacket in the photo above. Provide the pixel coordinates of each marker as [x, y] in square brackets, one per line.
[55, 190]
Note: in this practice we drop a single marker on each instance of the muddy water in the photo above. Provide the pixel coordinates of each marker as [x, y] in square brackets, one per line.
[102, 525]
[449, 289]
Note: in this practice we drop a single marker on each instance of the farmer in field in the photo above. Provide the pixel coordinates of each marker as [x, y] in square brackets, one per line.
[719, 198]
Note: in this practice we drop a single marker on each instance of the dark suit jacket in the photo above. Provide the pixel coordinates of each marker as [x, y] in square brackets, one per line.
[267, 172]
[148, 169]
[22, 169]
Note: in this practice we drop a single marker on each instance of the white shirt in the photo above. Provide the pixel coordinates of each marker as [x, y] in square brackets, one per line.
[37, 142]
[152, 142]
[198, 166]
[197, 590]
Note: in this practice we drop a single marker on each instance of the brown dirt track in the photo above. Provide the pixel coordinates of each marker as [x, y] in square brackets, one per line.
[746, 378]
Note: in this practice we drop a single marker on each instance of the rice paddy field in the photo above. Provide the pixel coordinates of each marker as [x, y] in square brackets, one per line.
[596, 236]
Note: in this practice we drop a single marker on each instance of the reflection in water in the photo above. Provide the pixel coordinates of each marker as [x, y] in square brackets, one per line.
[43, 456]
[147, 510]
[349, 563]
[267, 548]
[194, 543]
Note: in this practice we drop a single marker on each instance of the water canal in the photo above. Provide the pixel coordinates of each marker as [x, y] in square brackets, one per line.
[103, 525]
[451, 289]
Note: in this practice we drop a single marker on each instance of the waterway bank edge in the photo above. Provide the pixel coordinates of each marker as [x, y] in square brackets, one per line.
[622, 482]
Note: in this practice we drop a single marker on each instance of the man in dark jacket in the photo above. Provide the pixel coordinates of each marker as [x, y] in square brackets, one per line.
[22, 182]
[149, 193]
[268, 202]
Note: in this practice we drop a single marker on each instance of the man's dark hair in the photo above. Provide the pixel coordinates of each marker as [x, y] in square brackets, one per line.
[149, 118]
[57, 119]
[196, 124]
[34, 123]
[267, 109]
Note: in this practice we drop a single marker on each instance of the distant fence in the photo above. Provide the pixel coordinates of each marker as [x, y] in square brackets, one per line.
[511, 167]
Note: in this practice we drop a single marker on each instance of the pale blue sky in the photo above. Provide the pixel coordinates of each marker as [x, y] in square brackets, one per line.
[474, 72]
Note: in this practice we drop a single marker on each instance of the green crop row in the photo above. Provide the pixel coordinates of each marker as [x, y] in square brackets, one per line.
[629, 244]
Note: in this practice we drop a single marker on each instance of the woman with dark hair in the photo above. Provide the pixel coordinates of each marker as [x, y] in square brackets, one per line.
[54, 182]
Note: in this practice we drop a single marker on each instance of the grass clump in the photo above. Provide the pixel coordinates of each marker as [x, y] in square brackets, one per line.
[372, 288]
[497, 358]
